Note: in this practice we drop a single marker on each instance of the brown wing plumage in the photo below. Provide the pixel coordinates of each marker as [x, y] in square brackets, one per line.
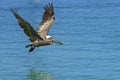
[47, 20]
[28, 30]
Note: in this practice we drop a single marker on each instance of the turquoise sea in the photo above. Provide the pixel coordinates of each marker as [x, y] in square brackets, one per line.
[89, 29]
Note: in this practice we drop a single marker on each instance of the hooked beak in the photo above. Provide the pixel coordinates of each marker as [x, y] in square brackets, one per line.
[57, 42]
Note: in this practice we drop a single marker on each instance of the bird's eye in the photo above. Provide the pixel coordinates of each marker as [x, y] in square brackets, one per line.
[50, 42]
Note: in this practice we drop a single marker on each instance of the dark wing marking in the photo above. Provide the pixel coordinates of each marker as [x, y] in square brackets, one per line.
[28, 30]
[49, 12]
[47, 20]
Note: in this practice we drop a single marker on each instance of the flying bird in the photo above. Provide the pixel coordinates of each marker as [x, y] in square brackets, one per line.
[40, 36]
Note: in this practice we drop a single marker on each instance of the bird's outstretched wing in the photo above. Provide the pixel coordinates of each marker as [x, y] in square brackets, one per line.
[47, 20]
[28, 30]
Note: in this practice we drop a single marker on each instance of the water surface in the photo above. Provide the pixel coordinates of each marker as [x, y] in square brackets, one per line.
[90, 31]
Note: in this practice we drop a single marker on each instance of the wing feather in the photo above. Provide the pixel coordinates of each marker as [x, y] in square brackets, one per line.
[47, 20]
[28, 29]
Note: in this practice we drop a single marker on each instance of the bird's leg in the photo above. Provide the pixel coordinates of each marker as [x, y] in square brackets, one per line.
[32, 48]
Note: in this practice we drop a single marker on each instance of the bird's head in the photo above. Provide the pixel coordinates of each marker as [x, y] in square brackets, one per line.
[48, 37]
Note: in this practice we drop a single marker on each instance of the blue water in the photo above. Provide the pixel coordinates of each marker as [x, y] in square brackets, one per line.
[89, 29]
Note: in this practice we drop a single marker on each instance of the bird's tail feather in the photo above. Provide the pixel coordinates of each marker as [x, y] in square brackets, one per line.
[28, 45]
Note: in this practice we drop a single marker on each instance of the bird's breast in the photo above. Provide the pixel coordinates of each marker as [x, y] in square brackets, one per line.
[42, 43]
